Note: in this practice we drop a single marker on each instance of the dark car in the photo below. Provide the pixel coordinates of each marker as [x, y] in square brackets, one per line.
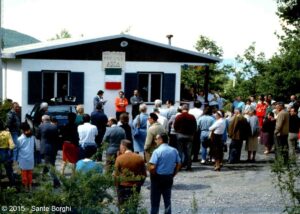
[56, 110]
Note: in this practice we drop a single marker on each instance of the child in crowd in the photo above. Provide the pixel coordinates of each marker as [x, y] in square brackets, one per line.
[26, 155]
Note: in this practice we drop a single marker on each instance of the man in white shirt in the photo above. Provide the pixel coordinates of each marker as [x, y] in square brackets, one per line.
[201, 98]
[161, 119]
[196, 111]
[171, 109]
[158, 105]
[87, 134]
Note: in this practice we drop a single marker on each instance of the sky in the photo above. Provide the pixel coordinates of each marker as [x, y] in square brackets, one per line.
[232, 24]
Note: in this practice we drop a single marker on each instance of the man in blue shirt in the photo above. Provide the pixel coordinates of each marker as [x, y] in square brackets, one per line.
[163, 166]
[204, 122]
[238, 103]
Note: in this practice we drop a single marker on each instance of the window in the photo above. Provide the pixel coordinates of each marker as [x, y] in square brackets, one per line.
[48, 84]
[55, 84]
[150, 86]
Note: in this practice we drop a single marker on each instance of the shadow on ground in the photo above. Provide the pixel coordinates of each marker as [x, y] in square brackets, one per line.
[182, 186]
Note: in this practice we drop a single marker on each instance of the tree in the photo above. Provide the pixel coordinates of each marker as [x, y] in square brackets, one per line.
[62, 35]
[283, 68]
[289, 10]
[193, 76]
[208, 46]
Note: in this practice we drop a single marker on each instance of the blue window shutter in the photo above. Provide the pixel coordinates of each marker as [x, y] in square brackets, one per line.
[77, 86]
[169, 83]
[131, 81]
[34, 87]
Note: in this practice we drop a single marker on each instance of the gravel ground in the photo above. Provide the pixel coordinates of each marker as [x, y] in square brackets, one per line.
[243, 188]
[237, 188]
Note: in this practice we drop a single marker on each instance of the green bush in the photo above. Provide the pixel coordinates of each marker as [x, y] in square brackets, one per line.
[87, 193]
[287, 179]
[4, 108]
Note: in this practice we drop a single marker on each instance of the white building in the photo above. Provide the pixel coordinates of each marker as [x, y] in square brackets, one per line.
[80, 68]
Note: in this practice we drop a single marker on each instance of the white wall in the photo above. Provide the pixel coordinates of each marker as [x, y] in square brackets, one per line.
[94, 78]
[12, 80]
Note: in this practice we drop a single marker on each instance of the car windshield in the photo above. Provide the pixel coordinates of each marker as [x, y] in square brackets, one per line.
[59, 110]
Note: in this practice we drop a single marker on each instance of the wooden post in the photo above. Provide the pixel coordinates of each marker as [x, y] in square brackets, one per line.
[206, 83]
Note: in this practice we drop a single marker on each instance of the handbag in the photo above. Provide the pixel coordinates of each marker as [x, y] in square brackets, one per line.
[136, 130]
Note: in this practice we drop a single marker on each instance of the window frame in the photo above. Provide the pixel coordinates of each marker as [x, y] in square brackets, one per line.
[55, 72]
[150, 84]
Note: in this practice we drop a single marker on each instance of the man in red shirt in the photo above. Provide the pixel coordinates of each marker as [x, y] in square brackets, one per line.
[185, 126]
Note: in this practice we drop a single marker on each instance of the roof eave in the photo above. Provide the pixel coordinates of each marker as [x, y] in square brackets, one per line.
[66, 44]
[8, 56]
[63, 44]
[216, 59]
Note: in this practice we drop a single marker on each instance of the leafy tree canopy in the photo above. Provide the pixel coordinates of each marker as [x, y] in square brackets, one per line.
[193, 76]
[62, 35]
[279, 75]
[208, 46]
[289, 10]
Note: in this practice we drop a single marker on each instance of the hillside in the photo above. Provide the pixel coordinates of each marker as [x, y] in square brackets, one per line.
[13, 38]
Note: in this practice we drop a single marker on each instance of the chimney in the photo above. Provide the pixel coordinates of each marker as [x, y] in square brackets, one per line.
[169, 38]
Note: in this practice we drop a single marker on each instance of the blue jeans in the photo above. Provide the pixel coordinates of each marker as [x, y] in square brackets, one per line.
[235, 150]
[161, 185]
[203, 149]
[185, 143]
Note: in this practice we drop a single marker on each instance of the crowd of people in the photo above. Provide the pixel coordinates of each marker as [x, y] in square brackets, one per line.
[165, 141]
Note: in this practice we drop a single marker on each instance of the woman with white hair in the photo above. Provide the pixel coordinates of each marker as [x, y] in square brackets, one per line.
[139, 129]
